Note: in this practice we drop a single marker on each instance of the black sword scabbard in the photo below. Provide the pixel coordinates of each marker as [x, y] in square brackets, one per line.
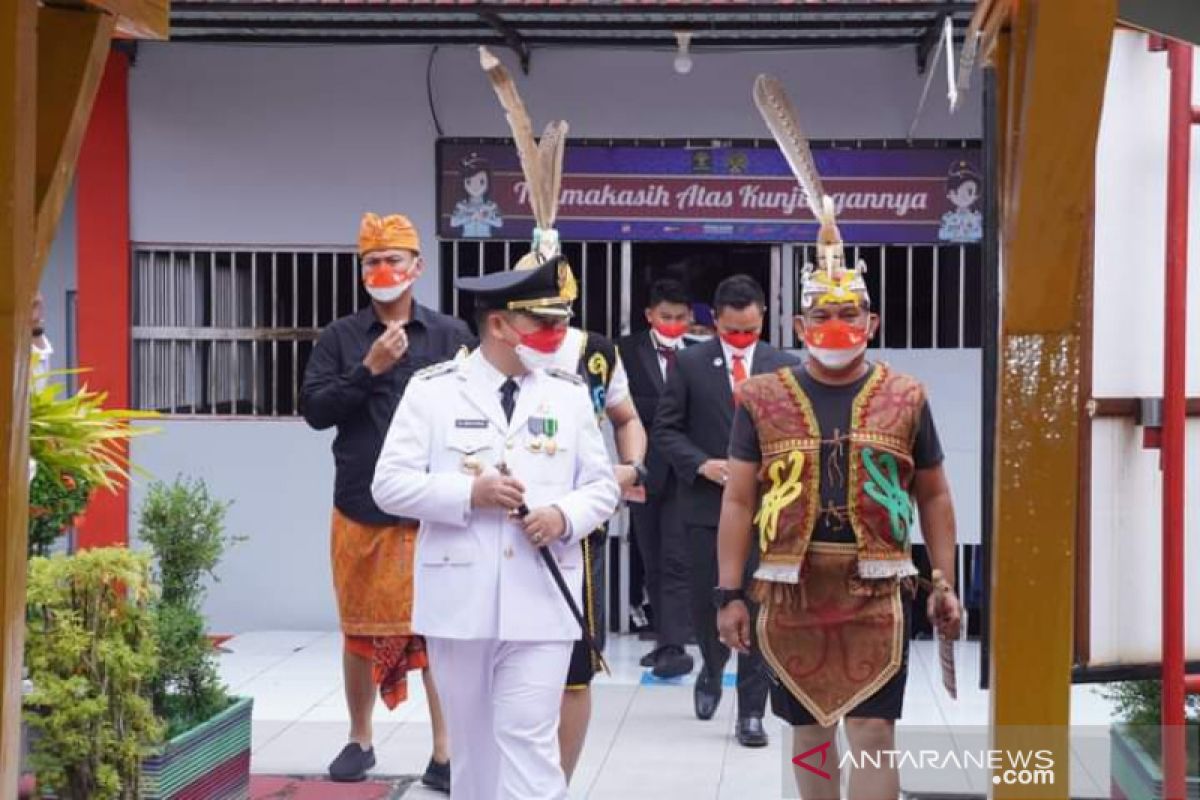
[556, 573]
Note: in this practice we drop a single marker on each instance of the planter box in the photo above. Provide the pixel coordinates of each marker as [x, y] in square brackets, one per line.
[209, 762]
[1137, 776]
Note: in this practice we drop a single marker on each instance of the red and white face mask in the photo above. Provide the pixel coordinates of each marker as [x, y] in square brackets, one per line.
[538, 349]
[835, 344]
[385, 281]
[739, 340]
[544, 340]
[669, 333]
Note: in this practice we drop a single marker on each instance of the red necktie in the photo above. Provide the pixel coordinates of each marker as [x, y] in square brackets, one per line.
[668, 356]
[739, 374]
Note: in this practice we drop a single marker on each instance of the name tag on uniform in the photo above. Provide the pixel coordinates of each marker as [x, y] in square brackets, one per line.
[470, 423]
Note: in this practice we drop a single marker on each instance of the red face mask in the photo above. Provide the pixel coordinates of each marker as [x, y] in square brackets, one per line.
[544, 340]
[671, 330]
[383, 277]
[835, 335]
[740, 340]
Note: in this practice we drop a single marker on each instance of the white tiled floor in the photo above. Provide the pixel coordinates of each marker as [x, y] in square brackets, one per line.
[644, 740]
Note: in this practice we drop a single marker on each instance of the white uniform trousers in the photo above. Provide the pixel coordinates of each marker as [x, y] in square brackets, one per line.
[501, 701]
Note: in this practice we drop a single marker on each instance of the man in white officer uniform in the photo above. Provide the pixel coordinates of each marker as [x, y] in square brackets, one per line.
[473, 444]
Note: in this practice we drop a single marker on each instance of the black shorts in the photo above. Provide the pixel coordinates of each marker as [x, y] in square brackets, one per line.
[584, 664]
[887, 703]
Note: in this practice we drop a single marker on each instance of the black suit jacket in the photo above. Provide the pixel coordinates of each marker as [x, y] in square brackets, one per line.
[694, 418]
[640, 358]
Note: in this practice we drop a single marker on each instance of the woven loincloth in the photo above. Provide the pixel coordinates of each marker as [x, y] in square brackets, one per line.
[834, 640]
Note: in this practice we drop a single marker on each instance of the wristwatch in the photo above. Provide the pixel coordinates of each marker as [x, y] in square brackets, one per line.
[723, 597]
[640, 469]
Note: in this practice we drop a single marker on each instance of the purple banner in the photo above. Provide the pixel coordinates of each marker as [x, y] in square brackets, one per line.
[883, 195]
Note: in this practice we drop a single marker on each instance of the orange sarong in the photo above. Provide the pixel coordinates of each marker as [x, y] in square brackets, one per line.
[373, 580]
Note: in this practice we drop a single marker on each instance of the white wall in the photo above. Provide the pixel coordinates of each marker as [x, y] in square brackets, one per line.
[953, 384]
[279, 475]
[1131, 213]
[1131, 169]
[289, 145]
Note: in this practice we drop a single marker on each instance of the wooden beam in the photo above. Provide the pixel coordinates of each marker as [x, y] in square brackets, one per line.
[72, 47]
[18, 277]
[1058, 56]
[1054, 137]
[136, 19]
[1018, 42]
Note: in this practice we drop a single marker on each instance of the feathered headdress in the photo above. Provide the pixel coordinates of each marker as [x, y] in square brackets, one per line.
[830, 281]
[541, 162]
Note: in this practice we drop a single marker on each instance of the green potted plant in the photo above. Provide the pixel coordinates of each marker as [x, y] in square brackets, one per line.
[1136, 741]
[76, 435]
[76, 445]
[207, 752]
[91, 654]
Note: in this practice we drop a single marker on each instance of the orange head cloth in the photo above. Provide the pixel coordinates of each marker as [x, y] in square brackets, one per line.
[393, 232]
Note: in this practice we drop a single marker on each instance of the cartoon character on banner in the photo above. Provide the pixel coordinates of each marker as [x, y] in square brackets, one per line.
[477, 214]
[965, 223]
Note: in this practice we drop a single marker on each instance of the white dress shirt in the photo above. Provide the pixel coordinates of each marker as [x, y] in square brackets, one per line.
[662, 360]
[747, 358]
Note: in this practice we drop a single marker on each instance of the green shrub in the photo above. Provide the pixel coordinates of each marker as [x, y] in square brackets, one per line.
[91, 655]
[1139, 707]
[184, 527]
[55, 501]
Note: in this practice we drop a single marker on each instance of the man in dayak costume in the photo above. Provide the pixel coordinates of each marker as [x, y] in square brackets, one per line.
[594, 359]
[828, 462]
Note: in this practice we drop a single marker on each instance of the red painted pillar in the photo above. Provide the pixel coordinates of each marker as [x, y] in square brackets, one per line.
[103, 274]
[1174, 421]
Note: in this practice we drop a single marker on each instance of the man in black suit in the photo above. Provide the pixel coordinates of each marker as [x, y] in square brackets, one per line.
[692, 426]
[649, 357]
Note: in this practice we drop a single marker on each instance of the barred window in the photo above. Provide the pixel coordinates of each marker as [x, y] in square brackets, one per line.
[228, 331]
[927, 296]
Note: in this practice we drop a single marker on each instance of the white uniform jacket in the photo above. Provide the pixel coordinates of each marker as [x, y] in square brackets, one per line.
[476, 574]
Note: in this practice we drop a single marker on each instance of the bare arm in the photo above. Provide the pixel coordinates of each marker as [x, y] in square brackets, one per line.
[932, 493]
[734, 536]
[631, 441]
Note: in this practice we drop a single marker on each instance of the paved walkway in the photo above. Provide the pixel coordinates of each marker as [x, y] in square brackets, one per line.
[644, 740]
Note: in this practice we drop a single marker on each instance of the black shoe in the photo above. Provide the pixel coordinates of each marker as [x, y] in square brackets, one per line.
[437, 776]
[352, 764]
[707, 694]
[672, 662]
[750, 732]
[651, 658]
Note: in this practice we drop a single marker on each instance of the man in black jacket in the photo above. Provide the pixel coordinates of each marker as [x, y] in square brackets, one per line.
[691, 428]
[355, 377]
[649, 358]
